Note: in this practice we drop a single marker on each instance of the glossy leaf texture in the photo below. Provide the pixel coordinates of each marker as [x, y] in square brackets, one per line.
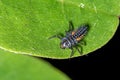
[25, 26]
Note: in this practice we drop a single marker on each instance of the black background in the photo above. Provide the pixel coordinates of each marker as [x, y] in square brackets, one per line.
[101, 63]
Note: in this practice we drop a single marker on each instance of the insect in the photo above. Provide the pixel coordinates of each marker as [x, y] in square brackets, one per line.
[72, 38]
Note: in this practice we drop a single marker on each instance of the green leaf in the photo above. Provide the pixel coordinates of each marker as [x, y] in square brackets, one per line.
[23, 67]
[25, 26]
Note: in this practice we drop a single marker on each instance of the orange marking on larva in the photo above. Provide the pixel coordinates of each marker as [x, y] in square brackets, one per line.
[79, 38]
[73, 32]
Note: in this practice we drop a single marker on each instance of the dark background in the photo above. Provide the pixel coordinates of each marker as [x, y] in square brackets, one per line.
[98, 64]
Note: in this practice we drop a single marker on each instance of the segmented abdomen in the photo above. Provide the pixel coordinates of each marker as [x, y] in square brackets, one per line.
[76, 36]
[80, 31]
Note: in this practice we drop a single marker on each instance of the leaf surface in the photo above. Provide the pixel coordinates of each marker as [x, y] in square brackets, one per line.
[23, 67]
[25, 26]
